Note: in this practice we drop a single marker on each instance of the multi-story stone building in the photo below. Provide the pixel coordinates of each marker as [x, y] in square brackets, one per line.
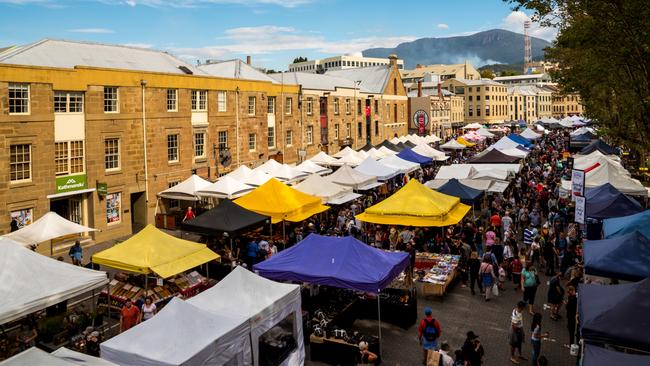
[565, 104]
[444, 72]
[94, 132]
[439, 108]
[528, 103]
[526, 79]
[486, 101]
[342, 62]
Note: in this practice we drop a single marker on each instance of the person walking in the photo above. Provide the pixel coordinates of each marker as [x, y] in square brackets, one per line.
[486, 272]
[129, 316]
[76, 253]
[474, 265]
[428, 333]
[529, 282]
[472, 350]
[571, 312]
[517, 332]
[555, 295]
[536, 337]
[148, 309]
[189, 214]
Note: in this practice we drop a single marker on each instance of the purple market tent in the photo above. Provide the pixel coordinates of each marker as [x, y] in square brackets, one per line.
[343, 262]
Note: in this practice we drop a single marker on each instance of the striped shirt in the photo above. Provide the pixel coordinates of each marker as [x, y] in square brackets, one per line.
[528, 236]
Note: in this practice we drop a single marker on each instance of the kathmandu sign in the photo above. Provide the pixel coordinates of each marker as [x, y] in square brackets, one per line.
[71, 183]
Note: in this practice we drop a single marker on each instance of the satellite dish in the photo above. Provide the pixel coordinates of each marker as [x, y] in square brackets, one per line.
[225, 158]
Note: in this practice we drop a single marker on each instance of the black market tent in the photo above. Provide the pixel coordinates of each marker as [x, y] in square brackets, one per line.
[366, 147]
[616, 314]
[599, 356]
[599, 145]
[402, 146]
[606, 201]
[408, 144]
[625, 257]
[585, 137]
[389, 145]
[493, 156]
[467, 195]
[227, 217]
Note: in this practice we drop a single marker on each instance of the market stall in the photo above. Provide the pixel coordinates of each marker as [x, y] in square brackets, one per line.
[199, 337]
[599, 356]
[371, 167]
[455, 188]
[412, 156]
[626, 224]
[435, 272]
[271, 309]
[599, 145]
[606, 201]
[49, 226]
[625, 257]
[62, 357]
[329, 192]
[227, 217]
[225, 187]
[493, 156]
[347, 176]
[310, 167]
[404, 166]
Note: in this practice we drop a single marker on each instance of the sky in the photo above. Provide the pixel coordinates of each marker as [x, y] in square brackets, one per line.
[272, 32]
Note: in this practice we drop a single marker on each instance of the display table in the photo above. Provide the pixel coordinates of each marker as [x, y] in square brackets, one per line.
[443, 272]
[339, 352]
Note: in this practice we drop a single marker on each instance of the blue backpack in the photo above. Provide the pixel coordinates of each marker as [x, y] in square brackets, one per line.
[430, 332]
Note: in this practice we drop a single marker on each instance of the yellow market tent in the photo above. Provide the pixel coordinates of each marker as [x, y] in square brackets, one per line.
[281, 202]
[462, 141]
[416, 205]
[152, 250]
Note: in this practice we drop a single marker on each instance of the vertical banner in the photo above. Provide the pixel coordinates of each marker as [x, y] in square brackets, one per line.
[577, 183]
[580, 209]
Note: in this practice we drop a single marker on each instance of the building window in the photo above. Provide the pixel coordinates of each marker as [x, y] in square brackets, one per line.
[376, 106]
[251, 106]
[336, 106]
[336, 131]
[20, 163]
[487, 111]
[199, 145]
[487, 97]
[199, 100]
[478, 89]
[221, 101]
[271, 138]
[478, 97]
[172, 100]
[349, 129]
[310, 106]
[113, 208]
[18, 98]
[68, 102]
[359, 130]
[469, 98]
[69, 157]
[270, 107]
[347, 106]
[470, 111]
[478, 111]
[112, 154]
[222, 140]
[289, 138]
[111, 99]
[23, 217]
[288, 106]
[310, 135]
[387, 111]
[359, 109]
[172, 148]
[395, 113]
[252, 142]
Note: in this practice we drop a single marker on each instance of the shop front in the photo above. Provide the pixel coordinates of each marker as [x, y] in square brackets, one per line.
[71, 201]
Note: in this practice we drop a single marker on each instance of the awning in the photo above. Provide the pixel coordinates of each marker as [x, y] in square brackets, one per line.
[71, 193]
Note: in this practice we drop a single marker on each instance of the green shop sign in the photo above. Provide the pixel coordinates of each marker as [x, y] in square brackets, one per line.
[71, 183]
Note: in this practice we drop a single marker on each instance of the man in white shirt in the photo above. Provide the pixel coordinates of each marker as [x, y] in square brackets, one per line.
[444, 352]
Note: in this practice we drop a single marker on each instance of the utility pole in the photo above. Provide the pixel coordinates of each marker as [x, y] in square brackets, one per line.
[528, 58]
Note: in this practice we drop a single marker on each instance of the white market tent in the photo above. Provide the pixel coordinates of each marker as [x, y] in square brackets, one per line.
[606, 171]
[375, 154]
[60, 357]
[347, 176]
[269, 166]
[514, 152]
[403, 165]
[185, 190]
[583, 130]
[262, 304]
[472, 126]
[48, 227]
[324, 159]
[452, 145]
[350, 159]
[362, 154]
[492, 174]
[240, 173]
[286, 173]
[509, 168]
[504, 143]
[372, 167]
[395, 140]
[458, 171]
[429, 152]
[329, 192]
[225, 187]
[529, 134]
[310, 167]
[257, 178]
[430, 139]
[345, 151]
[181, 334]
[485, 133]
[386, 151]
[48, 281]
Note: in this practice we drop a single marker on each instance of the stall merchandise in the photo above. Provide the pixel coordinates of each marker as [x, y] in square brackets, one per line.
[443, 271]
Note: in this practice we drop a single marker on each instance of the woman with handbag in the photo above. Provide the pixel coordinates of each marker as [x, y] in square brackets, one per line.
[486, 272]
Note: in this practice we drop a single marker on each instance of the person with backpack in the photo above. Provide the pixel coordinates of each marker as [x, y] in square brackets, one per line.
[428, 333]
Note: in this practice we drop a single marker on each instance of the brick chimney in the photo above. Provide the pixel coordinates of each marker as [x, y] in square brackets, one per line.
[393, 60]
[439, 90]
[248, 60]
[419, 88]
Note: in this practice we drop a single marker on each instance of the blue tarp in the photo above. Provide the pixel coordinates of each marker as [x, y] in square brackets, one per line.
[467, 195]
[598, 356]
[410, 155]
[585, 137]
[599, 145]
[520, 140]
[606, 201]
[335, 261]
[625, 257]
[616, 314]
[626, 224]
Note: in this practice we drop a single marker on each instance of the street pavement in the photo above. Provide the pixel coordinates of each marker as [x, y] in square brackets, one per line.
[458, 312]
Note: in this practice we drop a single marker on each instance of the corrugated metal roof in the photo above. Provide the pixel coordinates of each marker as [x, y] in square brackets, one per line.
[235, 69]
[478, 82]
[373, 78]
[433, 69]
[68, 54]
[518, 77]
[316, 81]
[429, 92]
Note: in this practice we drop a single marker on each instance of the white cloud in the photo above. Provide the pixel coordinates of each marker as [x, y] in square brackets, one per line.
[91, 30]
[515, 22]
[271, 38]
[130, 2]
[443, 26]
[200, 3]
[139, 45]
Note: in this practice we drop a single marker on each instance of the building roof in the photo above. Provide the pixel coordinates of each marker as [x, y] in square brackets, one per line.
[316, 81]
[373, 78]
[430, 91]
[68, 54]
[433, 69]
[235, 69]
[522, 77]
[477, 82]
[526, 90]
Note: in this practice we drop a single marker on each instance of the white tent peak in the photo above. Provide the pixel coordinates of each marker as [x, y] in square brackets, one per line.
[374, 168]
[186, 190]
[48, 227]
[225, 187]
[310, 167]
[323, 158]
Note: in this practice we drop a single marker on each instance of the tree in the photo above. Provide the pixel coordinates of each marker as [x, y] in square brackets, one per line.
[603, 50]
[300, 59]
[509, 73]
[487, 74]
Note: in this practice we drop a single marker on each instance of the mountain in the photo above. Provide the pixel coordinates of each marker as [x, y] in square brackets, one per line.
[495, 46]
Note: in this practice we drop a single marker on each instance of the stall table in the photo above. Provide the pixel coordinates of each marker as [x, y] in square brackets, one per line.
[440, 275]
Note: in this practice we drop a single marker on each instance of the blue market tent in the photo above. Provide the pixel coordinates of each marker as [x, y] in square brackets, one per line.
[616, 314]
[598, 356]
[625, 257]
[335, 261]
[626, 224]
[410, 155]
[606, 201]
[585, 137]
[520, 140]
[599, 145]
[454, 187]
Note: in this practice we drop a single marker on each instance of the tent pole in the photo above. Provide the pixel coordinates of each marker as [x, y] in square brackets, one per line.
[108, 303]
[284, 236]
[94, 309]
[379, 320]
[146, 280]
